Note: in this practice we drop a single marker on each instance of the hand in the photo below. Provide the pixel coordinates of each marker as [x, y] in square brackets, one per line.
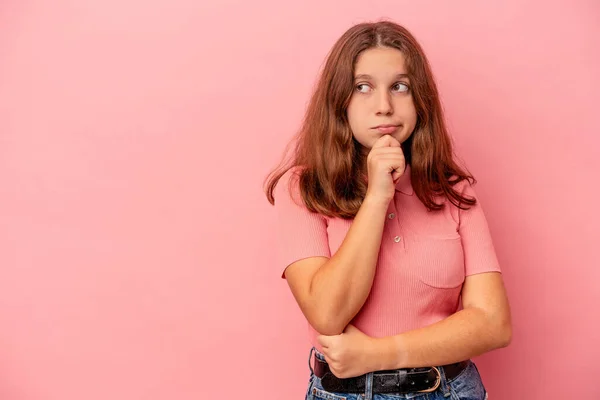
[385, 165]
[349, 354]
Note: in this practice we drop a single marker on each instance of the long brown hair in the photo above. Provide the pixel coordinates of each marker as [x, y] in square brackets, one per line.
[331, 180]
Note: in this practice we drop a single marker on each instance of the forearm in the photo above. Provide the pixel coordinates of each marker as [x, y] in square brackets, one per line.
[342, 285]
[463, 335]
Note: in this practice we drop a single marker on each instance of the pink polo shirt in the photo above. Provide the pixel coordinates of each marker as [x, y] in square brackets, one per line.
[423, 259]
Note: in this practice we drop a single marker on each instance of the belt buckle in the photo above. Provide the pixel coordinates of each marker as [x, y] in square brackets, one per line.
[437, 383]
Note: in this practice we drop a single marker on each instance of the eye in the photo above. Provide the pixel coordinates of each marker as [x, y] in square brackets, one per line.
[362, 88]
[400, 87]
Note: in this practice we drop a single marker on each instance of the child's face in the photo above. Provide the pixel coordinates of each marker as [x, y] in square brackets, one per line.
[381, 96]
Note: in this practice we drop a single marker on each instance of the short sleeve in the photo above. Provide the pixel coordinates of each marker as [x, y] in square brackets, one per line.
[300, 233]
[480, 255]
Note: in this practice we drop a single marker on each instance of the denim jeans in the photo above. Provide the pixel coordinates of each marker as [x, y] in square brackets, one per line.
[466, 386]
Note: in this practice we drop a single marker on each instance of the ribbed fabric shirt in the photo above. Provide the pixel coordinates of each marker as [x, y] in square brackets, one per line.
[423, 259]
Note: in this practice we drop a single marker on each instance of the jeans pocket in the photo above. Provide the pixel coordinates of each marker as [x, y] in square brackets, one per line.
[320, 394]
[468, 385]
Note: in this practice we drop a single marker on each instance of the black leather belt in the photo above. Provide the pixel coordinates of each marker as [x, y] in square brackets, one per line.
[407, 380]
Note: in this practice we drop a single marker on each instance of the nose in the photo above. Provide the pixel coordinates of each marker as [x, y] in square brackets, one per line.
[384, 103]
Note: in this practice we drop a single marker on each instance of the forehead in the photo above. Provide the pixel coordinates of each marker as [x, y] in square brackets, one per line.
[380, 62]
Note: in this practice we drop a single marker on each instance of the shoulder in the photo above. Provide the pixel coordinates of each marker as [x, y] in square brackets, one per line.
[292, 174]
[465, 187]
[464, 195]
[289, 184]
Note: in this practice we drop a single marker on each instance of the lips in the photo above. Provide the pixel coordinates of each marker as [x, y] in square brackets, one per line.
[386, 128]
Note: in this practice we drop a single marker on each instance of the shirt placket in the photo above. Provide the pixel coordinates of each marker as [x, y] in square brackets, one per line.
[394, 230]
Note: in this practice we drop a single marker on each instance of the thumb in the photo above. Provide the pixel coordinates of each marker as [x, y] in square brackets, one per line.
[350, 329]
[397, 173]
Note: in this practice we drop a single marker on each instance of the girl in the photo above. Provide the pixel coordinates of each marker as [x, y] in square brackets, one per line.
[381, 238]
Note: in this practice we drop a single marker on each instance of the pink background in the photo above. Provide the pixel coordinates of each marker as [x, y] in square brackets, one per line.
[136, 253]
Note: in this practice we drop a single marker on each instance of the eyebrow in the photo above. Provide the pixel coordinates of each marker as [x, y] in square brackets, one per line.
[367, 76]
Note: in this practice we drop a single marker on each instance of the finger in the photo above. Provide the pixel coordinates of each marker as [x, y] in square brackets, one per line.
[392, 159]
[324, 351]
[398, 171]
[323, 341]
[386, 141]
[393, 164]
[394, 142]
[379, 151]
[332, 367]
[330, 360]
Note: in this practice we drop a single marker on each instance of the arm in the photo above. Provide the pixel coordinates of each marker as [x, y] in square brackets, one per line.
[330, 292]
[483, 325]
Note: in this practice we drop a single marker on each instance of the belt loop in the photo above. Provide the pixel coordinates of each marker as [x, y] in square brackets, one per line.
[444, 387]
[369, 386]
[309, 359]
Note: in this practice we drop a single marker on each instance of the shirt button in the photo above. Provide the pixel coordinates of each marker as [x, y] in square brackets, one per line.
[391, 216]
[397, 239]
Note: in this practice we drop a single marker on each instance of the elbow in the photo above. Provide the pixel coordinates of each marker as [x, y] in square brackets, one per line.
[503, 333]
[499, 328]
[505, 337]
[328, 330]
[327, 324]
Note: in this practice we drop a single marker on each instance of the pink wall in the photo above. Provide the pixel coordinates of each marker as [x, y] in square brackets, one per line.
[135, 251]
